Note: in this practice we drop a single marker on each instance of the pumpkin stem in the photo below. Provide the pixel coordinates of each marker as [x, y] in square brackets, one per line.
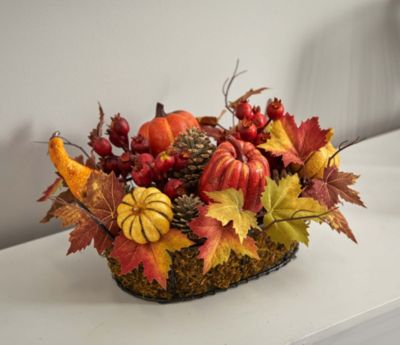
[160, 112]
[239, 152]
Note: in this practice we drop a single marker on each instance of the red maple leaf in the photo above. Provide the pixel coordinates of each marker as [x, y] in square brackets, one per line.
[295, 144]
[221, 240]
[334, 184]
[154, 257]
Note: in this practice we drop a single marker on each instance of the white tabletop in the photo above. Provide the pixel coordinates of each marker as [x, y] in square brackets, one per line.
[48, 298]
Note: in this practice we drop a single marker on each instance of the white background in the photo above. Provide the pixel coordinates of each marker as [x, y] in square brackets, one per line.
[338, 59]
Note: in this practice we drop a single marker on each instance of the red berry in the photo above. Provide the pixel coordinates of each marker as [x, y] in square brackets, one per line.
[275, 109]
[174, 188]
[243, 110]
[259, 120]
[140, 144]
[247, 130]
[101, 146]
[181, 160]
[125, 163]
[261, 138]
[237, 134]
[164, 162]
[110, 164]
[119, 125]
[142, 177]
[145, 158]
[118, 140]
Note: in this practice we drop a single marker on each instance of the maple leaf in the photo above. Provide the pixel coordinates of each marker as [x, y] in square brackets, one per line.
[229, 208]
[221, 240]
[104, 194]
[334, 184]
[86, 229]
[338, 222]
[60, 200]
[154, 257]
[287, 213]
[50, 190]
[295, 144]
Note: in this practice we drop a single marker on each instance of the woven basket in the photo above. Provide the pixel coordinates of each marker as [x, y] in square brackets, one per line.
[186, 280]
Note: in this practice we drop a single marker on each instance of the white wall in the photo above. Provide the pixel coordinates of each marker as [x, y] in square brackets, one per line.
[338, 59]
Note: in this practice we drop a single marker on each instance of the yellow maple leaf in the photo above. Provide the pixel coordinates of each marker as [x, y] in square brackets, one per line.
[228, 207]
[287, 213]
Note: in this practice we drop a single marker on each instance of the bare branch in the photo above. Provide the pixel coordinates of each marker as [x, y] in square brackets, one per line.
[342, 146]
[227, 86]
[84, 209]
[292, 218]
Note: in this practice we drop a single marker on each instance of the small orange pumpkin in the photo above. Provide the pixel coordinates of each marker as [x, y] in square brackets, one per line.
[164, 128]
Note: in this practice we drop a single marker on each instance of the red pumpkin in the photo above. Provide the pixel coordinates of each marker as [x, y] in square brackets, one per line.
[236, 164]
[164, 128]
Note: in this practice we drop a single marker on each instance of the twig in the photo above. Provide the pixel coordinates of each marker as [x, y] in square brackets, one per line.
[343, 145]
[247, 95]
[66, 142]
[319, 216]
[82, 207]
[227, 86]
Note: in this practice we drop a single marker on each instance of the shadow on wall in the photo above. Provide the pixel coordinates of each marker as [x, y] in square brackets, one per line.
[349, 72]
[27, 165]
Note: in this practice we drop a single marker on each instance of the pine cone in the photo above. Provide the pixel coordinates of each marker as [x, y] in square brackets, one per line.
[196, 145]
[185, 209]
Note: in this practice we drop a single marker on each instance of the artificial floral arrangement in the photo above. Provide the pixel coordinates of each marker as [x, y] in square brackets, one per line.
[187, 207]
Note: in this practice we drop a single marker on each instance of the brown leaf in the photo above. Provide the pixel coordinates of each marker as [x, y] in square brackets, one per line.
[247, 95]
[50, 190]
[338, 222]
[104, 194]
[98, 131]
[90, 161]
[86, 229]
[60, 200]
[213, 132]
[334, 184]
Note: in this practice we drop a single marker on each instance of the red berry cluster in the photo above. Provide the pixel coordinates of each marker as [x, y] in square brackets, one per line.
[117, 133]
[136, 161]
[253, 122]
[148, 170]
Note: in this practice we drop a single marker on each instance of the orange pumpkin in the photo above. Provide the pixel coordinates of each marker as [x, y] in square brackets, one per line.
[164, 128]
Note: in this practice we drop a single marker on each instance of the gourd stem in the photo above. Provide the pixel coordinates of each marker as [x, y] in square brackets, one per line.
[160, 112]
[239, 152]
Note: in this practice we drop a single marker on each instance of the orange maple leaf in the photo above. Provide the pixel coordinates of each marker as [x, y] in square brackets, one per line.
[103, 195]
[221, 240]
[86, 229]
[295, 144]
[154, 257]
[338, 222]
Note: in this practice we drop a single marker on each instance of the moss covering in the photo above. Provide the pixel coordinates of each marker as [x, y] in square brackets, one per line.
[186, 279]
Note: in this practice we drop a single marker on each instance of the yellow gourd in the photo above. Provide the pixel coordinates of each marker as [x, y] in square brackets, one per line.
[74, 174]
[144, 215]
